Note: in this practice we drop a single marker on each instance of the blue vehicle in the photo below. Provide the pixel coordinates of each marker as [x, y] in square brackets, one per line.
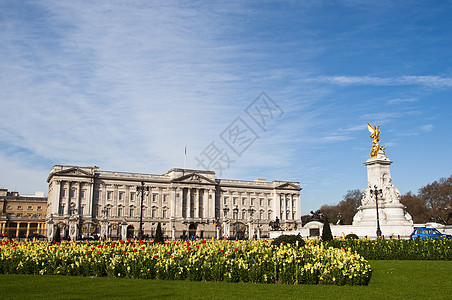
[428, 233]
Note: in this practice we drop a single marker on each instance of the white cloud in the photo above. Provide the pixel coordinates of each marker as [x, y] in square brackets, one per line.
[427, 127]
[402, 100]
[428, 81]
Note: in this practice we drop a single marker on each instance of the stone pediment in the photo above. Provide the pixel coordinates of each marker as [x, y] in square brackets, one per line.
[75, 171]
[288, 186]
[193, 178]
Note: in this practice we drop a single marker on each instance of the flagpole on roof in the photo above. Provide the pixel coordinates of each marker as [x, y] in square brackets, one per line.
[185, 157]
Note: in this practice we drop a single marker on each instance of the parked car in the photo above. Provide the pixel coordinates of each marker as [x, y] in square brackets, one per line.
[428, 233]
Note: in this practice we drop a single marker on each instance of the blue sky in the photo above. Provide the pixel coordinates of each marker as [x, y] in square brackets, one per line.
[124, 85]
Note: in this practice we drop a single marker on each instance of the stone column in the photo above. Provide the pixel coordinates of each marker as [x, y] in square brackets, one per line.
[276, 205]
[172, 212]
[188, 215]
[43, 228]
[180, 200]
[124, 231]
[226, 229]
[195, 202]
[206, 204]
[77, 198]
[211, 203]
[55, 198]
[17, 229]
[250, 230]
[51, 230]
[89, 198]
[68, 199]
[297, 208]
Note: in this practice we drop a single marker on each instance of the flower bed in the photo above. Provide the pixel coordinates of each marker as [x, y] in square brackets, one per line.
[417, 249]
[232, 261]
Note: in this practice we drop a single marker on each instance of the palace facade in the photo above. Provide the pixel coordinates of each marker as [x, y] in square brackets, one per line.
[22, 215]
[85, 201]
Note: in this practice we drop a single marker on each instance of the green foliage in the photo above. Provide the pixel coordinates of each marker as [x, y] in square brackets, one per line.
[158, 234]
[351, 236]
[326, 232]
[380, 249]
[289, 239]
[57, 236]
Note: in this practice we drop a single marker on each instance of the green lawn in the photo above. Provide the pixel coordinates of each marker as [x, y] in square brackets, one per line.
[390, 280]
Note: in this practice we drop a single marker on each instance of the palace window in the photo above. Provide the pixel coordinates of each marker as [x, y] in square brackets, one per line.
[63, 193]
[96, 195]
[252, 202]
[119, 211]
[234, 201]
[225, 213]
[225, 201]
[154, 197]
[261, 202]
[243, 215]
[61, 210]
[72, 193]
[82, 194]
[269, 215]
[95, 211]
[153, 213]
[9, 207]
[80, 210]
[109, 195]
[131, 212]
[243, 201]
[132, 196]
[164, 213]
[269, 202]
[39, 208]
[121, 196]
[165, 198]
[261, 216]
[30, 207]
[19, 207]
[108, 212]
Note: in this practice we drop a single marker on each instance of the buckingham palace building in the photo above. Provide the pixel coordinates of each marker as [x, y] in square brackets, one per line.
[87, 202]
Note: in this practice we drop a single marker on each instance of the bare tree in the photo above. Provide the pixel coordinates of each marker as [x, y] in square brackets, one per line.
[416, 207]
[438, 197]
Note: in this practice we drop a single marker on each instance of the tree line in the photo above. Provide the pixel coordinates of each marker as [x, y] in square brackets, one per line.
[433, 202]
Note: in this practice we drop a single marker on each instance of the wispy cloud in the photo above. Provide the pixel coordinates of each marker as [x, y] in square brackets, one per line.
[427, 127]
[428, 81]
[125, 85]
[402, 100]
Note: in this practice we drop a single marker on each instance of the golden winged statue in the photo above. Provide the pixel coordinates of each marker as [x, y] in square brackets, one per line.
[375, 135]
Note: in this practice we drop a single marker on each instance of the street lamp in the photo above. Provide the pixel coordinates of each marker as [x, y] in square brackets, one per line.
[377, 192]
[143, 190]
[236, 214]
